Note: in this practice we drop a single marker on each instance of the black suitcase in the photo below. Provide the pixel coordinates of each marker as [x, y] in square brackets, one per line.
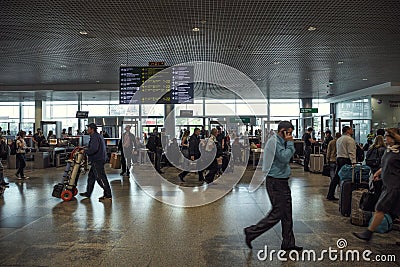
[346, 189]
[57, 190]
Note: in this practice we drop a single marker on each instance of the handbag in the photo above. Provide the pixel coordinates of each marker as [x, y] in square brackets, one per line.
[185, 152]
[368, 201]
[326, 170]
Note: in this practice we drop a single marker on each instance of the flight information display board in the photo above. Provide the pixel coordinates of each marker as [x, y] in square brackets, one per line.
[173, 85]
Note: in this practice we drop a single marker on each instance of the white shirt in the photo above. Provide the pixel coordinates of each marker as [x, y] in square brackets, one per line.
[346, 148]
[21, 150]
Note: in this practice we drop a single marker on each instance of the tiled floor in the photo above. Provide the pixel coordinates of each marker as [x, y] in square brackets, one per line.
[143, 225]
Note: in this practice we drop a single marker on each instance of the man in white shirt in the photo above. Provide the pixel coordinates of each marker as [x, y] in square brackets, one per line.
[346, 154]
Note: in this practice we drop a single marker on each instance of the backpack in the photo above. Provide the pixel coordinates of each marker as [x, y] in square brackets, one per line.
[13, 148]
[372, 158]
[385, 226]
[359, 154]
[151, 143]
[3, 150]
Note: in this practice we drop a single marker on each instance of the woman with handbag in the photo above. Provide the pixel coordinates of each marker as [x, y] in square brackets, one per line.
[375, 153]
[390, 172]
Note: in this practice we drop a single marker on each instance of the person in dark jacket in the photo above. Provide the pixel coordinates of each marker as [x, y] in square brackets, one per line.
[126, 146]
[155, 150]
[389, 172]
[375, 153]
[308, 141]
[96, 151]
[194, 153]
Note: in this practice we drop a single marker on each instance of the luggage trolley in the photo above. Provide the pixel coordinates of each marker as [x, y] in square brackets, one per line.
[77, 164]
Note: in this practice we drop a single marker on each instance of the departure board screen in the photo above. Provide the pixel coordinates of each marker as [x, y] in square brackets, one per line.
[174, 85]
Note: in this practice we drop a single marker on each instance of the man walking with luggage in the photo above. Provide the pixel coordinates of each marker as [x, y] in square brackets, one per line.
[96, 151]
[277, 183]
[346, 154]
[308, 141]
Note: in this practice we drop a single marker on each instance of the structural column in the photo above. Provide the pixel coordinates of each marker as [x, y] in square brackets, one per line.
[38, 113]
[305, 118]
[332, 126]
[79, 109]
[169, 120]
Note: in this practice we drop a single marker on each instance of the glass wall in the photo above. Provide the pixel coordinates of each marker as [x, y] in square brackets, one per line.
[17, 116]
[22, 114]
[358, 111]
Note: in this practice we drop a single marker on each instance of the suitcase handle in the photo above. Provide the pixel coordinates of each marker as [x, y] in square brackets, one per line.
[353, 172]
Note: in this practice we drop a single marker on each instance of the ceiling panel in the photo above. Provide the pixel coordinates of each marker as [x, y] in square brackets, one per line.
[41, 45]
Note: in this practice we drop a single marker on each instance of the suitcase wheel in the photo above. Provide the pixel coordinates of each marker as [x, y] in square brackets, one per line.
[66, 195]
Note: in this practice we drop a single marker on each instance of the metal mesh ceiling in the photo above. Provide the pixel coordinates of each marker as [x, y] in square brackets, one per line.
[40, 43]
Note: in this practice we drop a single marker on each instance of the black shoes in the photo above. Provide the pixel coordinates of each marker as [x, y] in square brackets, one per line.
[248, 239]
[4, 183]
[122, 173]
[366, 235]
[85, 194]
[181, 178]
[332, 198]
[297, 248]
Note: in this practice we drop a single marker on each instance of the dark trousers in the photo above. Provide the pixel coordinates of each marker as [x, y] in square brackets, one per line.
[281, 199]
[307, 154]
[21, 163]
[340, 162]
[212, 171]
[126, 159]
[97, 173]
[155, 158]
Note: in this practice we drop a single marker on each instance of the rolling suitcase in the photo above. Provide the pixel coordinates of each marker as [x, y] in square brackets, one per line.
[316, 161]
[346, 189]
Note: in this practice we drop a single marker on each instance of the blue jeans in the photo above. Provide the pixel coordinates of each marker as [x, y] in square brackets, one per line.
[97, 173]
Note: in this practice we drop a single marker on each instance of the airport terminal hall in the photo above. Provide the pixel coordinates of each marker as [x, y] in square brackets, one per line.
[200, 133]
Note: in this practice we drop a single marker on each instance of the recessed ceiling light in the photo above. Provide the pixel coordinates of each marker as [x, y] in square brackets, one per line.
[203, 21]
[307, 79]
[259, 79]
[63, 66]
[276, 62]
[311, 28]
[83, 32]
[97, 81]
[195, 29]
[340, 62]
[365, 79]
